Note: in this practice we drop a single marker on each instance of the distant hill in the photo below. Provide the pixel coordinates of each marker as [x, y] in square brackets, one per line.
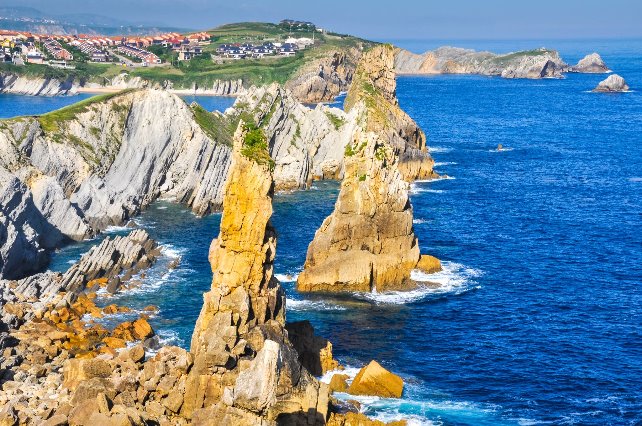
[20, 18]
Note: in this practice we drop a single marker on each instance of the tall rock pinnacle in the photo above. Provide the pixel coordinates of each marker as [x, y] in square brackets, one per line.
[245, 369]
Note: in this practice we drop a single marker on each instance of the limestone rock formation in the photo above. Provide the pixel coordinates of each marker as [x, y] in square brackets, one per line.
[367, 243]
[305, 143]
[591, 64]
[373, 94]
[533, 64]
[109, 264]
[25, 235]
[245, 369]
[22, 85]
[324, 78]
[375, 380]
[613, 84]
[101, 161]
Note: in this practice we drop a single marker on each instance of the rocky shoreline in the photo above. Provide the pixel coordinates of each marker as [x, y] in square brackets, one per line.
[245, 366]
[533, 64]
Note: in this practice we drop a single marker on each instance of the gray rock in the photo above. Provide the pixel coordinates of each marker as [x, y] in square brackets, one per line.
[25, 234]
[591, 64]
[613, 84]
[533, 64]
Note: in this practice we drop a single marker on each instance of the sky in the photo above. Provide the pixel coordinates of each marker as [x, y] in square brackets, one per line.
[385, 20]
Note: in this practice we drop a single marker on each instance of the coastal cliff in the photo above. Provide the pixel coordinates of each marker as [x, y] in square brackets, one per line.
[306, 144]
[373, 95]
[245, 368]
[368, 242]
[24, 85]
[532, 64]
[101, 161]
[324, 78]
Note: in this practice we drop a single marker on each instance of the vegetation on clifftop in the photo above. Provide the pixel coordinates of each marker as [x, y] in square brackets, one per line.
[202, 71]
[50, 122]
[255, 147]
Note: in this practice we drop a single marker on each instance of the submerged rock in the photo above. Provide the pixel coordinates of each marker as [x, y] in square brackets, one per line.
[591, 64]
[613, 84]
[374, 380]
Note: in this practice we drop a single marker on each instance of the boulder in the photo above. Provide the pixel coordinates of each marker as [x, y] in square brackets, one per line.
[374, 380]
[612, 84]
[429, 264]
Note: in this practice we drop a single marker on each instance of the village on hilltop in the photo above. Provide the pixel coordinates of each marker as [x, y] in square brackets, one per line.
[64, 51]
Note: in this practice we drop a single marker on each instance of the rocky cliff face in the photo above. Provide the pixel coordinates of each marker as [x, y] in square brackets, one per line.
[25, 235]
[373, 94]
[324, 78]
[11, 83]
[534, 64]
[368, 242]
[101, 161]
[306, 144]
[245, 369]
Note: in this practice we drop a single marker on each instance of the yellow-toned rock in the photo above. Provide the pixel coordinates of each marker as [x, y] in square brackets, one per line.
[77, 370]
[114, 342]
[359, 419]
[368, 242]
[374, 380]
[373, 89]
[429, 264]
[338, 383]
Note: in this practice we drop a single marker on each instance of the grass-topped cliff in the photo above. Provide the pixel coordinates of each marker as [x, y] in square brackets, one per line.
[203, 71]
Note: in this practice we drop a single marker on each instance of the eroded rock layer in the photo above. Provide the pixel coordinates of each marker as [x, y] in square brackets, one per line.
[373, 94]
[368, 242]
[245, 369]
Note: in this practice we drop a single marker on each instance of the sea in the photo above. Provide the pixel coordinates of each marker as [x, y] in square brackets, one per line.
[539, 317]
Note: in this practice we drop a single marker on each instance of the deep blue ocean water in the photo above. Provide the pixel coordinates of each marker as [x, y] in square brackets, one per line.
[539, 320]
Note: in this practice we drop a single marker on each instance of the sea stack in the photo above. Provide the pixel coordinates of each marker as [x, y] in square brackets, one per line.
[591, 64]
[245, 370]
[613, 84]
[368, 242]
[374, 89]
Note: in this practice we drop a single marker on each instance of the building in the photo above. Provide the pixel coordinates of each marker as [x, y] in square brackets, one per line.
[35, 56]
[55, 49]
[143, 55]
[187, 52]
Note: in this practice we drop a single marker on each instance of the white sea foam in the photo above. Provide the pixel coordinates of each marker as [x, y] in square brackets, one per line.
[635, 179]
[113, 229]
[161, 207]
[312, 305]
[172, 251]
[286, 278]
[453, 279]
[419, 221]
[501, 150]
[432, 149]
[445, 163]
